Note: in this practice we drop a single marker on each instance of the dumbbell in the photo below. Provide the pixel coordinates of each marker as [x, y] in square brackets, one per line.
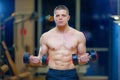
[93, 54]
[26, 59]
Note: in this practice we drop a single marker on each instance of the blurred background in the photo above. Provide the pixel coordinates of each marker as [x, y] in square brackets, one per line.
[23, 21]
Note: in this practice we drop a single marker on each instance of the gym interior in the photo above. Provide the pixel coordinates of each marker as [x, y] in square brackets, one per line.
[22, 22]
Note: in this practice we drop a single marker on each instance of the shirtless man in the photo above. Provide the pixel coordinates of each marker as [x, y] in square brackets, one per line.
[59, 44]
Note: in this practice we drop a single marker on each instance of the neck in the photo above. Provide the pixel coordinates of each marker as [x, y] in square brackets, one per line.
[63, 28]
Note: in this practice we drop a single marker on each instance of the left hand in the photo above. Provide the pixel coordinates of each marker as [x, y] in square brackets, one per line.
[84, 58]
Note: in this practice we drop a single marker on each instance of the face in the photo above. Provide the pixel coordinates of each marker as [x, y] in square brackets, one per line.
[61, 18]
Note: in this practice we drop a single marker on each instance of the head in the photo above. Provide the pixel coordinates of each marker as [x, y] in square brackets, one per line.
[61, 15]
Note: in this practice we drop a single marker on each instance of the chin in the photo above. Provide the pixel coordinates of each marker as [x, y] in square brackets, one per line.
[60, 25]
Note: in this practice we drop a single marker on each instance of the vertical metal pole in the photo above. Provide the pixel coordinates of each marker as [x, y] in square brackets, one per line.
[0, 36]
[0, 41]
[22, 32]
[77, 22]
[39, 23]
[118, 40]
[15, 37]
[119, 53]
[118, 8]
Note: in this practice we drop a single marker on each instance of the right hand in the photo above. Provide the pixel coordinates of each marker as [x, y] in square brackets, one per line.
[34, 59]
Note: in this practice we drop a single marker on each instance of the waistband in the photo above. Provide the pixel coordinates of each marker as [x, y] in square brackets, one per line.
[74, 69]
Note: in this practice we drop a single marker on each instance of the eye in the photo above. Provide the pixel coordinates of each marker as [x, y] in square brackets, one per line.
[64, 15]
[57, 15]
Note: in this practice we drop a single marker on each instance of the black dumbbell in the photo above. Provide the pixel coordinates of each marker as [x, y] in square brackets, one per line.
[45, 60]
[93, 54]
[26, 57]
[27, 60]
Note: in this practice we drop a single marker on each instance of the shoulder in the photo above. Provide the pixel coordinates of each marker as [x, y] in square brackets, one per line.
[47, 34]
[80, 35]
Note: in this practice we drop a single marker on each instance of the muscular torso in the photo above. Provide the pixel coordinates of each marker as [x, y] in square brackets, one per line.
[61, 46]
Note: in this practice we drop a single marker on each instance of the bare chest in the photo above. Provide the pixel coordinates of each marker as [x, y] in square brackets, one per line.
[62, 42]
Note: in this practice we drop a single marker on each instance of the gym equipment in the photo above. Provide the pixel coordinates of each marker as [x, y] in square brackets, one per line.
[26, 58]
[4, 68]
[93, 54]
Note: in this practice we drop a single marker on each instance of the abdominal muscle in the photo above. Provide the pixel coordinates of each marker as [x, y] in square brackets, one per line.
[61, 60]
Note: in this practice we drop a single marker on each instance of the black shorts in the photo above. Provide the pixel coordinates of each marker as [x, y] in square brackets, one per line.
[54, 74]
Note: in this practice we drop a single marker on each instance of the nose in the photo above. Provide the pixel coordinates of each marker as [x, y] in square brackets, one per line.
[60, 17]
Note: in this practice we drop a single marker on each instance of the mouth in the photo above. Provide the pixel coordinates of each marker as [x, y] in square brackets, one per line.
[60, 22]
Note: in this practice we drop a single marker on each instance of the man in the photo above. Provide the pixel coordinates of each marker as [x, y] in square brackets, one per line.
[59, 44]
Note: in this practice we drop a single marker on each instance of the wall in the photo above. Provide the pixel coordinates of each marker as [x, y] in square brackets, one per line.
[23, 30]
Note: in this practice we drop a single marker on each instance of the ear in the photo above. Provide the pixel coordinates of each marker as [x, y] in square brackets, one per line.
[68, 17]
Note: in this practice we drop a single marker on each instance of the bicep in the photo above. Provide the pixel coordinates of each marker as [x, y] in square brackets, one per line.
[43, 47]
[82, 45]
[81, 48]
[42, 50]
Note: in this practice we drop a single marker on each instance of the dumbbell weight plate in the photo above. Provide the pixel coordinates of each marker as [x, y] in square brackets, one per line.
[26, 58]
[75, 59]
[94, 55]
[45, 60]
